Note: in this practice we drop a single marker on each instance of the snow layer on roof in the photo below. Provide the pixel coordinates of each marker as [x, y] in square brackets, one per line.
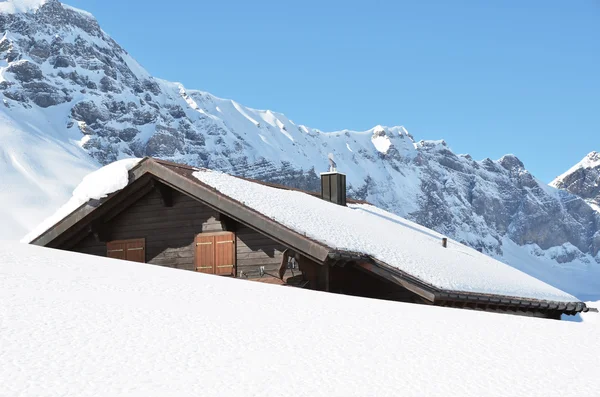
[80, 325]
[17, 6]
[96, 185]
[389, 238]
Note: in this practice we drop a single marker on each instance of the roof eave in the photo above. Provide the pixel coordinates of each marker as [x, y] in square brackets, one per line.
[524, 303]
[434, 294]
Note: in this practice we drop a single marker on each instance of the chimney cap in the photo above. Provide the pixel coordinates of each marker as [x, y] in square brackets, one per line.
[332, 173]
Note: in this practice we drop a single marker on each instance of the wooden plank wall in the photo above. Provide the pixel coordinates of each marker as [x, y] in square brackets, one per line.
[255, 250]
[169, 231]
[349, 280]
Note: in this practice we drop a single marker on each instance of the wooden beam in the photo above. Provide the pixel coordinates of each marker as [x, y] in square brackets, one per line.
[323, 278]
[390, 275]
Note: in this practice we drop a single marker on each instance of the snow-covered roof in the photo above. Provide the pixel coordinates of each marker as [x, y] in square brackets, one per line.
[357, 228]
[405, 245]
[75, 325]
[94, 186]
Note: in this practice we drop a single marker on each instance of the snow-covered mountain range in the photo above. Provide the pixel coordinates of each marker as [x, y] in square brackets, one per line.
[73, 100]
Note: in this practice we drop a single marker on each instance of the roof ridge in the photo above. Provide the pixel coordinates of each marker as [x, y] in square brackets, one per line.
[173, 164]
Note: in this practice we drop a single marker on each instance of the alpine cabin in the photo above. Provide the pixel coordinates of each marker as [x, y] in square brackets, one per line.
[204, 221]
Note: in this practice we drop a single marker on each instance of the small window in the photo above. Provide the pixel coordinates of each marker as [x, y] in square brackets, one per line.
[131, 250]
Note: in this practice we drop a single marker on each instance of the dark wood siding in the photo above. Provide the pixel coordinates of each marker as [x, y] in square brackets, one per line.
[170, 234]
[254, 250]
[169, 231]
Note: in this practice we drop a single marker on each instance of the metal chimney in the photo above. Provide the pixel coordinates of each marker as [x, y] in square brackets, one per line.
[333, 184]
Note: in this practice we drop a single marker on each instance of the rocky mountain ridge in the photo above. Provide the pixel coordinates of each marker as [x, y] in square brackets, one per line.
[70, 87]
[583, 180]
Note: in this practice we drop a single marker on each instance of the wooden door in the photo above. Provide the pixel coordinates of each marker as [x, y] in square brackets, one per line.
[215, 253]
[131, 250]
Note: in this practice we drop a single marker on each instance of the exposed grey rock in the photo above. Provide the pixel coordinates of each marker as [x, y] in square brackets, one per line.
[152, 86]
[143, 116]
[128, 134]
[25, 71]
[44, 94]
[89, 112]
[163, 144]
[109, 85]
[177, 111]
[40, 50]
[15, 95]
[583, 180]
[63, 62]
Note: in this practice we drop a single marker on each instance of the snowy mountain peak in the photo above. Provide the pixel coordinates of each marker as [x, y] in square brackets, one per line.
[593, 158]
[511, 162]
[583, 180]
[590, 161]
[18, 6]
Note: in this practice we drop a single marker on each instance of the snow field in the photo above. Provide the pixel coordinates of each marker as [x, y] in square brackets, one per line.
[72, 324]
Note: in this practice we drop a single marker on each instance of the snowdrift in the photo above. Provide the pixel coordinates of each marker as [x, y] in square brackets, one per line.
[78, 325]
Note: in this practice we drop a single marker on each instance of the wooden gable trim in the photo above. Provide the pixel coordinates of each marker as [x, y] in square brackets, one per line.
[74, 225]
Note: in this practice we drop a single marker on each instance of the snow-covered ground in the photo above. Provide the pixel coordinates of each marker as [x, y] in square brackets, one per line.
[75, 325]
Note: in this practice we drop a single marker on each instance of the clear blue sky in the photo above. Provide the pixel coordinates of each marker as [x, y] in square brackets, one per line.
[489, 77]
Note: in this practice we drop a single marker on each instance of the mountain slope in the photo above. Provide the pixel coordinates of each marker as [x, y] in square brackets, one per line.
[40, 164]
[583, 180]
[68, 88]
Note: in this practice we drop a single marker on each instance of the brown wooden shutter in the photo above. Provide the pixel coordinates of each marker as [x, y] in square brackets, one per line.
[116, 249]
[132, 250]
[205, 254]
[224, 254]
[215, 253]
[136, 250]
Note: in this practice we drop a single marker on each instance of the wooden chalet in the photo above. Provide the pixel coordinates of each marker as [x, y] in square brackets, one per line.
[165, 216]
